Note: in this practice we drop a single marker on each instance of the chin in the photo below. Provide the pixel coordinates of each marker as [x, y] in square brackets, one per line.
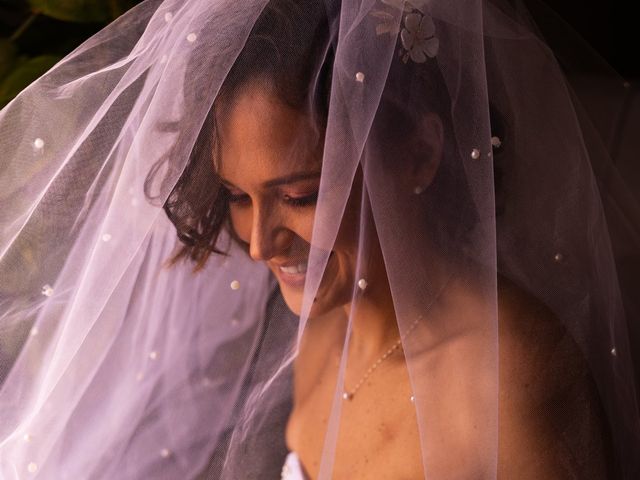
[334, 291]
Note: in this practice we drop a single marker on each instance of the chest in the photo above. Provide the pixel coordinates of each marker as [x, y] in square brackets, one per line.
[376, 435]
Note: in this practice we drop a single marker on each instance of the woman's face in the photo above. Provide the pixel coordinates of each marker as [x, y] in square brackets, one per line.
[270, 159]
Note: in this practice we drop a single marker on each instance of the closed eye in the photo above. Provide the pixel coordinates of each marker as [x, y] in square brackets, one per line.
[239, 199]
[236, 198]
[303, 201]
[242, 199]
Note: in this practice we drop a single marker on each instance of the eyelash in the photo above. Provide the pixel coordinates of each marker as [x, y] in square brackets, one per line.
[304, 201]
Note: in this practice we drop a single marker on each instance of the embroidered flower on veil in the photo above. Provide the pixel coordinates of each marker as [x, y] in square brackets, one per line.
[418, 38]
[417, 32]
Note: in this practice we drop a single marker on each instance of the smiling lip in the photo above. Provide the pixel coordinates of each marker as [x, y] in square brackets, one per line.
[292, 273]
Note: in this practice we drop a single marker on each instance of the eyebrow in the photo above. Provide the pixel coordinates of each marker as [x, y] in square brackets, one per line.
[285, 180]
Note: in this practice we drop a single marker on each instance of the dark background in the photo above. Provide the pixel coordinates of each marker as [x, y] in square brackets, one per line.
[610, 27]
[35, 34]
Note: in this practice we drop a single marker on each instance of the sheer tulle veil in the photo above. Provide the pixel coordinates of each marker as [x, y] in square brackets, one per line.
[209, 204]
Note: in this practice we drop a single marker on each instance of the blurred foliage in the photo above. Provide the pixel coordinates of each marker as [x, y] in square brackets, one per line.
[80, 10]
[35, 34]
[23, 72]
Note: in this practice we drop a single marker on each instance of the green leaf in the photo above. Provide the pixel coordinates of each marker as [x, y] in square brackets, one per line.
[74, 10]
[8, 54]
[23, 74]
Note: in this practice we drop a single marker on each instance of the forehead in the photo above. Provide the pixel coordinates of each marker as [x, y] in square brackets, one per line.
[261, 137]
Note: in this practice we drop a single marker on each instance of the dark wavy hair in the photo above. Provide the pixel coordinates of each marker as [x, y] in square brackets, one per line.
[291, 48]
[288, 44]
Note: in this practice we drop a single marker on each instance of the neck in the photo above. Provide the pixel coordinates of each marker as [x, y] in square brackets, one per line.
[373, 315]
[374, 325]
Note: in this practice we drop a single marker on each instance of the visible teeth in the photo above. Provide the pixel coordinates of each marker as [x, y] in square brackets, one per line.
[294, 269]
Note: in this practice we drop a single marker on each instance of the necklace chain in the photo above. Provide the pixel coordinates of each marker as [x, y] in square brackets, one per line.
[349, 394]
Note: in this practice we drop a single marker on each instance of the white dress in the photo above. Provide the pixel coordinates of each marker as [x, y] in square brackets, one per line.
[292, 469]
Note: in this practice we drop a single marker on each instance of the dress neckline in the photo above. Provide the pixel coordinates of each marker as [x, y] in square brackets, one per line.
[292, 468]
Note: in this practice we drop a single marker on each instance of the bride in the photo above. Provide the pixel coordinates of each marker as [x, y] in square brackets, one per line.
[392, 260]
[268, 143]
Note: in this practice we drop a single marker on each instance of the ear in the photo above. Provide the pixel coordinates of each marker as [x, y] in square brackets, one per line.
[428, 145]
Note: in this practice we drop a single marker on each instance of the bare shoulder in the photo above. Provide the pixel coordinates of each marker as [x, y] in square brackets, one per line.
[551, 420]
[534, 345]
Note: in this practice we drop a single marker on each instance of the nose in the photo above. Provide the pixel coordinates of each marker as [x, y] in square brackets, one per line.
[268, 235]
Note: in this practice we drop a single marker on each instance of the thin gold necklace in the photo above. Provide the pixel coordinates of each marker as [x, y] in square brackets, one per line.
[349, 394]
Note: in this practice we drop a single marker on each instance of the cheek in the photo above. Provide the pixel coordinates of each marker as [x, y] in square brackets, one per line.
[347, 238]
[349, 231]
[302, 224]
